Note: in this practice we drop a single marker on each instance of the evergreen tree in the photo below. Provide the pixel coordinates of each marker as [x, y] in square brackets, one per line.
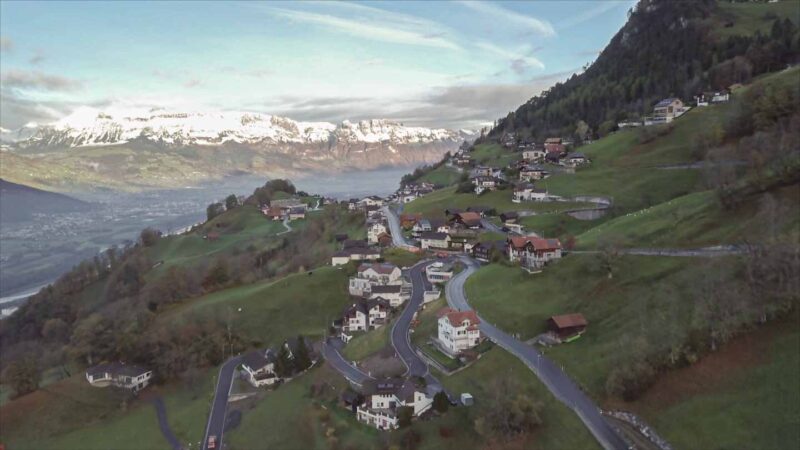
[302, 360]
[283, 364]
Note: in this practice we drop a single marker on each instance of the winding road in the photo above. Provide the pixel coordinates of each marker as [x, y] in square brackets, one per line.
[216, 420]
[330, 350]
[394, 227]
[562, 387]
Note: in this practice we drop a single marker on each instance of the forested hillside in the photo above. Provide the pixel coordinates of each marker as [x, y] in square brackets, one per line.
[667, 48]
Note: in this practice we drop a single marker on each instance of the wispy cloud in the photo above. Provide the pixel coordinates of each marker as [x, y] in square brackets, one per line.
[589, 14]
[374, 24]
[34, 80]
[37, 58]
[538, 26]
[519, 62]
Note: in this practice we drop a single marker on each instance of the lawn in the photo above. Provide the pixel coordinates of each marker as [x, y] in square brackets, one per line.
[433, 205]
[494, 155]
[367, 343]
[442, 176]
[270, 311]
[400, 257]
[748, 18]
[558, 225]
[426, 324]
[71, 414]
[693, 220]
[753, 379]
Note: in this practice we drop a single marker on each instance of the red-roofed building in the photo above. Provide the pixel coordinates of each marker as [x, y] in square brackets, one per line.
[458, 330]
[567, 326]
[554, 145]
[533, 252]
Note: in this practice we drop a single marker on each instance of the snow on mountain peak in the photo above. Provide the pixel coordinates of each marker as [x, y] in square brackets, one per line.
[115, 125]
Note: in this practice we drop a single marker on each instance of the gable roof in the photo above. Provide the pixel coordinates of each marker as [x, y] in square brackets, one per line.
[520, 242]
[433, 235]
[666, 102]
[469, 217]
[569, 320]
[456, 318]
[116, 369]
[387, 289]
[381, 268]
[258, 359]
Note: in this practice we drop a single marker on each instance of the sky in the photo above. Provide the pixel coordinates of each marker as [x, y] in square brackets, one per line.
[437, 64]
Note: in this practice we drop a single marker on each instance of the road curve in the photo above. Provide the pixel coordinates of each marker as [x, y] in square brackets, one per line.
[394, 227]
[549, 373]
[341, 365]
[216, 419]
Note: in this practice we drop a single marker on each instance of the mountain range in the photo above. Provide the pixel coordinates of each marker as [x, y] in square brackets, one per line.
[121, 148]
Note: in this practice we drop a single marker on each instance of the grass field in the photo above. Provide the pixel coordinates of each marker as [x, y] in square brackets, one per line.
[270, 311]
[433, 205]
[72, 415]
[400, 257]
[747, 18]
[494, 155]
[442, 176]
[367, 343]
[693, 220]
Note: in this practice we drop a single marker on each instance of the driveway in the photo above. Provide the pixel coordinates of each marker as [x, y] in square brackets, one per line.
[216, 420]
[549, 373]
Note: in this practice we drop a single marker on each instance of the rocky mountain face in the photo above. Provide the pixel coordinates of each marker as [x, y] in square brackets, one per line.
[163, 148]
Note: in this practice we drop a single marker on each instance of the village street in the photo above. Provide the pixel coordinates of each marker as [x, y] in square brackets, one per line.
[550, 374]
[219, 408]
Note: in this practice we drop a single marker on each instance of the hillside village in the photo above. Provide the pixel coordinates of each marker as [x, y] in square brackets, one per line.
[550, 290]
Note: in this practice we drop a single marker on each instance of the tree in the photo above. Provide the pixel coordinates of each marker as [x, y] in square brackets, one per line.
[302, 360]
[23, 375]
[410, 440]
[214, 210]
[55, 330]
[440, 402]
[231, 202]
[283, 364]
[149, 237]
[219, 274]
[582, 130]
[404, 416]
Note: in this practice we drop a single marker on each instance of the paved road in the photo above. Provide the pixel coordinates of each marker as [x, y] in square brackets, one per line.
[394, 227]
[549, 373]
[285, 225]
[330, 349]
[216, 420]
[703, 252]
[163, 424]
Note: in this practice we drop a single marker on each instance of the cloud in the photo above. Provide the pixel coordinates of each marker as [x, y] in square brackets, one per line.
[37, 58]
[374, 24]
[16, 111]
[589, 14]
[532, 24]
[6, 44]
[34, 80]
[518, 61]
[192, 83]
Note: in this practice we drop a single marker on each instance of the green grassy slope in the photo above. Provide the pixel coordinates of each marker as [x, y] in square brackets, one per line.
[748, 17]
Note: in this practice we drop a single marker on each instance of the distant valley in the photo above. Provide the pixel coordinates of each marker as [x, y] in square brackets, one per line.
[136, 150]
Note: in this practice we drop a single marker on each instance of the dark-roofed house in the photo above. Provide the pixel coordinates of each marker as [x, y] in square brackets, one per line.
[467, 219]
[533, 252]
[533, 173]
[482, 251]
[567, 327]
[509, 217]
[260, 367]
[383, 399]
[354, 254]
[575, 159]
[365, 315]
[119, 374]
[666, 110]
[434, 240]
[482, 210]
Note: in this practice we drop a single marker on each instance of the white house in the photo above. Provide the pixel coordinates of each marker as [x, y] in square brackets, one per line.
[534, 155]
[458, 330]
[260, 367]
[434, 240]
[575, 159]
[484, 183]
[533, 173]
[666, 111]
[360, 287]
[422, 225]
[375, 230]
[354, 254]
[439, 272]
[533, 252]
[395, 294]
[383, 399]
[372, 200]
[527, 192]
[380, 273]
[117, 374]
[365, 315]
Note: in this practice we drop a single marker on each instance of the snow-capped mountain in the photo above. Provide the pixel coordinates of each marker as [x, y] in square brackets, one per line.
[149, 148]
[92, 127]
